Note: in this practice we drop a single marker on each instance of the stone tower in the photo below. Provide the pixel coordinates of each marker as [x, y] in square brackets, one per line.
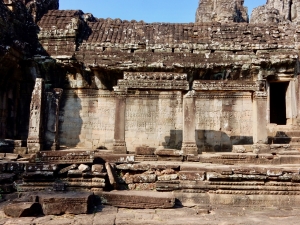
[277, 11]
[221, 11]
[37, 8]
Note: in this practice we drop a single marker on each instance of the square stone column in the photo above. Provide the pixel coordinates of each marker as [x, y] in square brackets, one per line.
[292, 102]
[35, 132]
[119, 145]
[260, 132]
[189, 146]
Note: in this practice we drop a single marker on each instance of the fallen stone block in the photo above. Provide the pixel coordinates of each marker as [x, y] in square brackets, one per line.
[138, 199]
[83, 168]
[70, 202]
[66, 169]
[144, 150]
[98, 168]
[111, 175]
[23, 209]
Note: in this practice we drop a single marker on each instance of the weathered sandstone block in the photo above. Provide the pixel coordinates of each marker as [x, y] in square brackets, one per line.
[138, 199]
[23, 209]
[70, 202]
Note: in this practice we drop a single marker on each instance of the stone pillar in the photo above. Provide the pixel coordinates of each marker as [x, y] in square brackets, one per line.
[119, 145]
[35, 140]
[52, 112]
[189, 146]
[260, 132]
[291, 102]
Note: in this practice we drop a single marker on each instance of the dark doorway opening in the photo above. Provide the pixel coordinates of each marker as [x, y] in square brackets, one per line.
[278, 102]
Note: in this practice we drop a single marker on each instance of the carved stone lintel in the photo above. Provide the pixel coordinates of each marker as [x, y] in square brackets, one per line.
[154, 76]
[260, 95]
[154, 80]
[229, 85]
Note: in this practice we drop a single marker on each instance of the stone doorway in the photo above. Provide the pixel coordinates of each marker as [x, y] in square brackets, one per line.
[278, 102]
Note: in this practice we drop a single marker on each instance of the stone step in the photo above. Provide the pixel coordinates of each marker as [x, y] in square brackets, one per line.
[284, 140]
[138, 199]
[287, 133]
[250, 158]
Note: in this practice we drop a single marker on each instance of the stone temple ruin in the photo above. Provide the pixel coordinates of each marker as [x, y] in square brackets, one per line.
[203, 113]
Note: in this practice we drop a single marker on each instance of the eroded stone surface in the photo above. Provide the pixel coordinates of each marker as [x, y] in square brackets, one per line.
[23, 209]
[138, 199]
[73, 203]
[221, 11]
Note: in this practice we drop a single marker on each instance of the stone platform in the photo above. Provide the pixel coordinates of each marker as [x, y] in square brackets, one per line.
[178, 216]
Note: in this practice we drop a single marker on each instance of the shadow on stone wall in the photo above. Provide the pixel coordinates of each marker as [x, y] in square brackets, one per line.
[219, 141]
[70, 122]
[207, 140]
[174, 141]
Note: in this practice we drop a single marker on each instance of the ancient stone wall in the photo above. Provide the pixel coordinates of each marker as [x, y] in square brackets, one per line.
[87, 119]
[155, 117]
[223, 119]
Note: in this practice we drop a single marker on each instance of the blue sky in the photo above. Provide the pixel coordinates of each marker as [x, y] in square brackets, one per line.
[173, 11]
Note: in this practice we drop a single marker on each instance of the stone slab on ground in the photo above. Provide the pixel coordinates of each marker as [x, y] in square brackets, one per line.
[69, 202]
[138, 199]
[23, 209]
[144, 150]
[177, 216]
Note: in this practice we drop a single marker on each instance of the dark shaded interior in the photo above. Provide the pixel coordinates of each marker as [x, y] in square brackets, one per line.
[278, 102]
